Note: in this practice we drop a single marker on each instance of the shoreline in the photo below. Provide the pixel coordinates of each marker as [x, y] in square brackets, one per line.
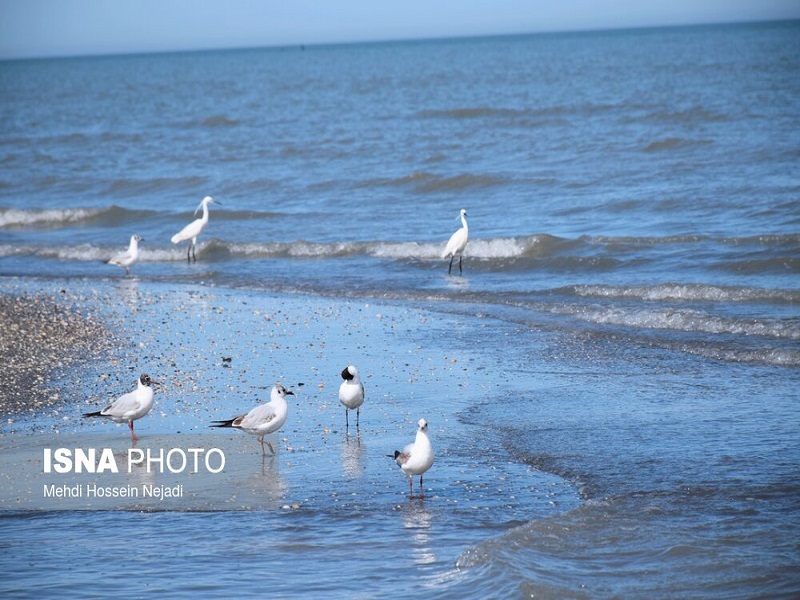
[42, 337]
[218, 351]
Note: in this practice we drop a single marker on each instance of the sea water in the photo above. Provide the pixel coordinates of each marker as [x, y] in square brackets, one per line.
[630, 290]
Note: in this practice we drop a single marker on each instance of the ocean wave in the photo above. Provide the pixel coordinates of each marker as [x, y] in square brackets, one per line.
[425, 182]
[789, 239]
[684, 320]
[486, 249]
[674, 143]
[477, 112]
[526, 253]
[780, 357]
[53, 218]
[212, 121]
[526, 115]
[689, 293]
[15, 217]
[690, 115]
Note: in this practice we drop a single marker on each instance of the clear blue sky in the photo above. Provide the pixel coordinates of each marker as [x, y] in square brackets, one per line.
[34, 28]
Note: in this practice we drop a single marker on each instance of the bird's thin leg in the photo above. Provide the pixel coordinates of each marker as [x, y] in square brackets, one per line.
[194, 250]
[127, 271]
[460, 258]
[270, 447]
[421, 489]
[189, 253]
[450, 268]
[411, 487]
[358, 414]
[347, 418]
[133, 435]
[261, 441]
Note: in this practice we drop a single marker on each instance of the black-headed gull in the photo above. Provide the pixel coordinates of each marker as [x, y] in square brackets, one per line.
[416, 458]
[131, 406]
[351, 393]
[127, 258]
[263, 419]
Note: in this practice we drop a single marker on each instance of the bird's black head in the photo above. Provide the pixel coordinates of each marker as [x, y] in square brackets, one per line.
[145, 379]
[283, 391]
[347, 374]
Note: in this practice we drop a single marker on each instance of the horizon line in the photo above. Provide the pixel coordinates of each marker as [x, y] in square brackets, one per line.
[399, 40]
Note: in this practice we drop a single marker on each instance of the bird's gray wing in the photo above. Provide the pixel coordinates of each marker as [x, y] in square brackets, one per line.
[121, 406]
[258, 416]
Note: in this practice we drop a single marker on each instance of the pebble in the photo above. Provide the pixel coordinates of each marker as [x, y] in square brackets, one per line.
[42, 338]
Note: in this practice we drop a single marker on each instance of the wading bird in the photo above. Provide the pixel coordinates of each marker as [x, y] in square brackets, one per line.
[127, 258]
[263, 419]
[131, 406]
[416, 458]
[193, 229]
[457, 243]
[351, 393]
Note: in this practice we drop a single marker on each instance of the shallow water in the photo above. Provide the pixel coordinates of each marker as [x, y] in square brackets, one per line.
[622, 347]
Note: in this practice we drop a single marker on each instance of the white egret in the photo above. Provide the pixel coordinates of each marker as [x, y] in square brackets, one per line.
[263, 419]
[457, 243]
[131, 406]
[193, 229]
[416, 458]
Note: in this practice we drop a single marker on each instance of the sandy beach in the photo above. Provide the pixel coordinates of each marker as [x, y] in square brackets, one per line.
[216, 353]
[42, 336]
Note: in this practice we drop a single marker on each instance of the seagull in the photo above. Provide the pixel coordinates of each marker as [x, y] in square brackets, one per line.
[130, 256]
[263, 419]
[457, 243]
[351, 393]
[131, 406]
[416, 458]
[193, 229]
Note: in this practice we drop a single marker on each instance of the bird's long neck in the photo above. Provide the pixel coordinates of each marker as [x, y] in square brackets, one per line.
[422, 440]
[133, 245]
[204, 218]
[464, 223]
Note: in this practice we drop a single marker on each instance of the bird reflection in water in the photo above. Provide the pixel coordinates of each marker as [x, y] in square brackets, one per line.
[353, 456]
[418, 520]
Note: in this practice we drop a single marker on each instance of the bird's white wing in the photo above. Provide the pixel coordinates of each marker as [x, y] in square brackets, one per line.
[122, 258]
[257, 417]
[455, 243]
[192, 230]
[122, 406]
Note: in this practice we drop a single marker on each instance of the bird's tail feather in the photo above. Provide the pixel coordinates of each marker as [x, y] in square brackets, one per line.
[93, 414]
[226, 423]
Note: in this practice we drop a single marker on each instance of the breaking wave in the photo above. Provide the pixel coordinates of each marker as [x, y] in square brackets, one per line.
[689, 293]
[686, 320]
[54, 218]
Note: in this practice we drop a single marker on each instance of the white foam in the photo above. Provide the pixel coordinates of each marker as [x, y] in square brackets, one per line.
[687, 292]
[685, 320]
[15, 217]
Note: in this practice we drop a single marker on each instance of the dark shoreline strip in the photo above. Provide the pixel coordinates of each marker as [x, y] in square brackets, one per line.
[41, 338]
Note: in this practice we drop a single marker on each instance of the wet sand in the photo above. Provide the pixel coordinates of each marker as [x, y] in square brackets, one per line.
[217, 353]
[42, 336]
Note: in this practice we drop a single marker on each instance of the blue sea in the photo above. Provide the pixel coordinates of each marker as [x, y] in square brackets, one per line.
[628, 305]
